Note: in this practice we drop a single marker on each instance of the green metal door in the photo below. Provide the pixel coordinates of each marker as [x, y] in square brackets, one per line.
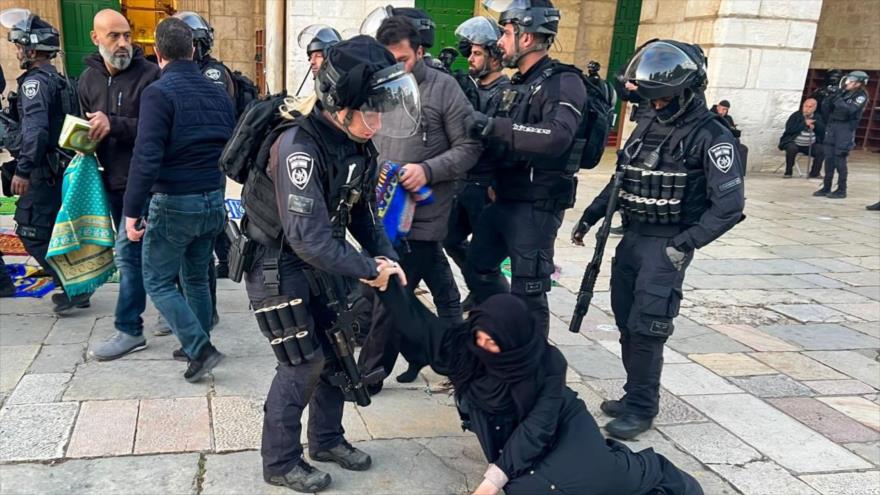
[623, 44]
[448, 14]
[77, 17]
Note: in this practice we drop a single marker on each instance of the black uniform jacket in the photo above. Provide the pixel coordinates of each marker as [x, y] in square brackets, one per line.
[301, 175]
[39, 107]
[119, 97]
[557, 448]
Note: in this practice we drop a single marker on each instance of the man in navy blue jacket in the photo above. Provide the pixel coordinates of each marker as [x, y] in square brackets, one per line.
[185, 121]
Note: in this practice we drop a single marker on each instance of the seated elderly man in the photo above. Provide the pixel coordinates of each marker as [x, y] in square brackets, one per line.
[803, 133]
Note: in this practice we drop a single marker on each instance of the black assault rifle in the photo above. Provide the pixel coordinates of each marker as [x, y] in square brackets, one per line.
[585, 294]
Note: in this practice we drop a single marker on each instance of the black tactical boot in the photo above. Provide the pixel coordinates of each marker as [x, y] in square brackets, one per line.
[822, 192]
[201, 366]
[346, 456]
[628, 426]
[7, 288]
[409, 375]
[873, 207]
[838, 194]
[302, 478]
[612, 408]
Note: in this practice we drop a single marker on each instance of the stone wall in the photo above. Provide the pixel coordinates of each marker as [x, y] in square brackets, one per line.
[595, 31]
[759, 53]
[46, 9]
[235, 23]
[848, 35]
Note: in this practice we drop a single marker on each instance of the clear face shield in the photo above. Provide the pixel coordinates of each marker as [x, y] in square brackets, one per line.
[392, 107]
[502, 5]
[659, 69]
[846, 80]
[371, 23]
[18, 21]
[320, 33]
[479, 31]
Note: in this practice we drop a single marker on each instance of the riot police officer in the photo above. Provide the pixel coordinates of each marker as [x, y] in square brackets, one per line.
[315, 39]
[842, 111]
[682, 189]
[203, 42]
[319, 178]
[535, 125]
[478, 41]
[44, 97]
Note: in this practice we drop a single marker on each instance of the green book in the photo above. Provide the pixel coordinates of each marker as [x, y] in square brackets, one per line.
[75, 135]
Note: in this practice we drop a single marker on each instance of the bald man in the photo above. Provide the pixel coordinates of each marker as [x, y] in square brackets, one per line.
[804, 132]
[110, 89]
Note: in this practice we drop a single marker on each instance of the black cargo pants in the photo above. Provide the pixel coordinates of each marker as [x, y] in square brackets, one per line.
[469, 204]
[35, 214]
[645, 297]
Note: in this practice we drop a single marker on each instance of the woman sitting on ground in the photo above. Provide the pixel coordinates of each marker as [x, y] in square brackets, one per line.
[510, 391]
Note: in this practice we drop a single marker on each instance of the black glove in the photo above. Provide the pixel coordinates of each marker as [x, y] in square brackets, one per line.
[480, 125]
[581, 227]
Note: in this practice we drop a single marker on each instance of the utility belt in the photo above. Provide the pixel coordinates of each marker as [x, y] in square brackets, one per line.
[649, 210]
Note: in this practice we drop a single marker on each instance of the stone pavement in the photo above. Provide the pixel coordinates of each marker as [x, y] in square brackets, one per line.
[770, 387]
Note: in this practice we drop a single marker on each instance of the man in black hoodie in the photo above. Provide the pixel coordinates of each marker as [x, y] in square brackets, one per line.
[109, 91]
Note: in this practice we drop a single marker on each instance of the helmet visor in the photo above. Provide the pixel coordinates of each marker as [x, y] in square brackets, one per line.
[392, 108]
[317, 32]
[479, 31]
[660, 64]
[371, 23]
[19, 19]
[502, 5]
[193, 20]
[851, 78]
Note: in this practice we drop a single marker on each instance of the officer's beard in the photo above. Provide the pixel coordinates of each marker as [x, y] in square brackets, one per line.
[117, 60]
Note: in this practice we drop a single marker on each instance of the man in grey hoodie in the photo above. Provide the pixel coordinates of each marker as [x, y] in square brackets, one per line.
[436, 156]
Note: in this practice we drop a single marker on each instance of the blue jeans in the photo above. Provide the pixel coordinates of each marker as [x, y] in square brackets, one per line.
[132, 298]
[180, 240]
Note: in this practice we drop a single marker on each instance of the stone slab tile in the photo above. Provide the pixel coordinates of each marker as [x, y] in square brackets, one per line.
[669, 356]
[869, 311]
[173, 425]
[825, 420]
[244, 377]
[816, 280]
[868, 328]
[811, 313]
[14, 361]
[237, 335]
[839, 387]
[693, 379]
[134, 475]
[462, 454]
[869, 291]
[778, 436]
[754, 338]
[25, 329]
[104, 428]
[798, 366]
[858, 279]
[241, 473]
[672, 409]
[710, 443]
[869, 451]
[397, 413]
[763, 478]
[772, 386]
[858, 408]
[735, 364]
[852, 363]
[72, 330]
[61, 358]
[867, 483]
[593, 361]
[35, 431]
[817, 337]
[828, 262]
[705, 343]
[131, 379]
[238, 423]
[757, 267]
[39, 388]
[829, 296]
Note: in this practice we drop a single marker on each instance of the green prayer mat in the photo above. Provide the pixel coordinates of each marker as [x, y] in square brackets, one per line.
[81, 249]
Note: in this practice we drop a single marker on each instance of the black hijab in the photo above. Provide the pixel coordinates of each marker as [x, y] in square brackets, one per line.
[509, 381]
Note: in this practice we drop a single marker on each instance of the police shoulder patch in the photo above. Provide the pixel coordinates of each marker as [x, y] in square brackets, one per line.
[30, 88]
[721, 155]
[213, 74]
[299, 168]
[860, 99]
[300, 204]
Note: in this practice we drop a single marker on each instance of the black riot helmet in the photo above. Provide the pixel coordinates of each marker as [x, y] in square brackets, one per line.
[203, 33]
[361, 74]
[317, 38]
[666, 68]
[31, 32]
[833, 77]
[420, 20]
[481, 31]
[527, 16]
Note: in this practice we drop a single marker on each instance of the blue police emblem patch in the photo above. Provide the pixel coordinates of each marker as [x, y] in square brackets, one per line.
[721, 156]
[299, 168]
[213, 74]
